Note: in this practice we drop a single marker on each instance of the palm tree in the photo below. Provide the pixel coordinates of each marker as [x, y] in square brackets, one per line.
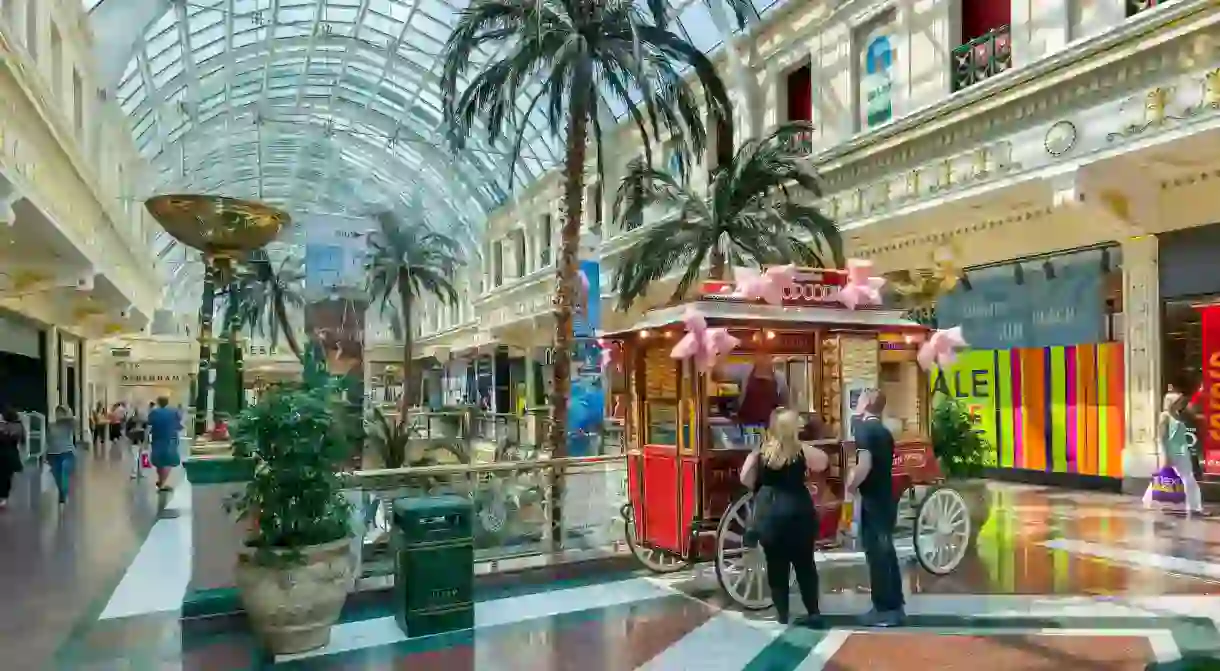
[271, 291]
[754, 212]
[573, 57]
[407, 260]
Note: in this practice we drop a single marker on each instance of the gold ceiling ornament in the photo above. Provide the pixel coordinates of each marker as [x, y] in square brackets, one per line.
[224, 229]
[113, 328]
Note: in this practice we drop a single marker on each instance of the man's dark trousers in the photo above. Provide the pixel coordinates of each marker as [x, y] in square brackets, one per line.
[877, 519]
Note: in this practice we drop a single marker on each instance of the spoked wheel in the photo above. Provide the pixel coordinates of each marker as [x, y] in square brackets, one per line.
[741, 570]
[657, 561]
[942, 531]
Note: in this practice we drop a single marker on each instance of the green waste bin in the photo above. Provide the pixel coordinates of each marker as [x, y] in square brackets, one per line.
[433, 545]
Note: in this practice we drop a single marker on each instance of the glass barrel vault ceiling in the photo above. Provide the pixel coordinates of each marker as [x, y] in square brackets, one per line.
[323, 107]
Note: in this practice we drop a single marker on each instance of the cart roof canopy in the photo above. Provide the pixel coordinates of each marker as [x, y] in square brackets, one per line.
[728, 313]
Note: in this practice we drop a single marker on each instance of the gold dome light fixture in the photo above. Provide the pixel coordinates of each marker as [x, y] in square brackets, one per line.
[224, 229]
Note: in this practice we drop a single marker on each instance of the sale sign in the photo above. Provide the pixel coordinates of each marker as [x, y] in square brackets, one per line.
[1210, 401]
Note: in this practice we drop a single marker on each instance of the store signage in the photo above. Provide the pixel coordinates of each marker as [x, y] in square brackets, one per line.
[813, 286]
[139, 375]
[1210, 327]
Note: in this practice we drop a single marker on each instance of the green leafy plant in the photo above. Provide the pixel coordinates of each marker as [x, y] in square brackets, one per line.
[960, 447]
[295, 498]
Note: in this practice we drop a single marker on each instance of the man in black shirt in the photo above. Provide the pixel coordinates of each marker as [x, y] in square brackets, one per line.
[871, 485]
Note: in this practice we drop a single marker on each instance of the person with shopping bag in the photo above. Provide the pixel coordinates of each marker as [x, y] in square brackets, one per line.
[1176, 479]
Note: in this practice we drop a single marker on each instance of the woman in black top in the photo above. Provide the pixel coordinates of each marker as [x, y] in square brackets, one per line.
[785, 520]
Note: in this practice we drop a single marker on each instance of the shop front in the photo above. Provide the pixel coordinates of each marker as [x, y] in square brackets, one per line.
[1190, 319]
[1044, 372]
[141, 383]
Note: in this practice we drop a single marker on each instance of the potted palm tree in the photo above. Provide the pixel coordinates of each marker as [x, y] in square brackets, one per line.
[627, 58]
[753, 212]
[296, 569]
[962, 452]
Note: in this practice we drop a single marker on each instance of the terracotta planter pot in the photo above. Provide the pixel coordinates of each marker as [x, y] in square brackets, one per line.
[292, 609]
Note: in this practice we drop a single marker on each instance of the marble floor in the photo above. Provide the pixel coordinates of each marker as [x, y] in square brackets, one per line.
[1059, 579]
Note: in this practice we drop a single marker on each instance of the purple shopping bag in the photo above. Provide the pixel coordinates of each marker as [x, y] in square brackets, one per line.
[1167, 486]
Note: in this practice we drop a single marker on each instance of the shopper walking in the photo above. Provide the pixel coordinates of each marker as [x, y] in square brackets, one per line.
[137, 435]
[12, 435]
[164, 429]
[1176, 440]
[98, 426]
[61, 451]
[785, 521]
[871, 484]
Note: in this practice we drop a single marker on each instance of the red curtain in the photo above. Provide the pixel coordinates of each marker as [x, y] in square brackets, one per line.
[982, 16]
[800, 94]
[1210, 398]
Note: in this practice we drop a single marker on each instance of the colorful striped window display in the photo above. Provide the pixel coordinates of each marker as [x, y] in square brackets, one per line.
[1053, 409]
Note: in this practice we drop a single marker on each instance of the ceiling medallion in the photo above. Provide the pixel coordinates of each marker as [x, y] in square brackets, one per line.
[1060, 138]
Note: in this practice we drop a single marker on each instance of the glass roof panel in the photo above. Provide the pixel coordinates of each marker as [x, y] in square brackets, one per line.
[324, 106]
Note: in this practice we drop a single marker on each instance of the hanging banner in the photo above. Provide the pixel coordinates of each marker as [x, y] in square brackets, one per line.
[587, 407]
[1065, 307]
[1210, 327]
[338, 325]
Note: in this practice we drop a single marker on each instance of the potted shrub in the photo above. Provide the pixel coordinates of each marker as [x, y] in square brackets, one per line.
[296, 570]
[963, 453]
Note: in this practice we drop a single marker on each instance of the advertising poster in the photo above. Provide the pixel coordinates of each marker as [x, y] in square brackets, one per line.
[1210, 398]
[586, 412]
[338, 325]
[877, 82]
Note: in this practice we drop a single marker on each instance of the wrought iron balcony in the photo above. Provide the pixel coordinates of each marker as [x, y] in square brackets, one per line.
[984, 56]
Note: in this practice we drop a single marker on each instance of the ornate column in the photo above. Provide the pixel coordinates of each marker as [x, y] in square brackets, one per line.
[1142, 358]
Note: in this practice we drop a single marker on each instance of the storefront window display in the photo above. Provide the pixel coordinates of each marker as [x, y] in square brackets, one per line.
[1044, 375]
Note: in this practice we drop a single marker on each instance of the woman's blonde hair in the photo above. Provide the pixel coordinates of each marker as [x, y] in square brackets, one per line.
[782, 445]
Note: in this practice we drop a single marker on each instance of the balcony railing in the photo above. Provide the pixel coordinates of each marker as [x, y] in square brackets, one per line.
[983, 57]
[512, 505]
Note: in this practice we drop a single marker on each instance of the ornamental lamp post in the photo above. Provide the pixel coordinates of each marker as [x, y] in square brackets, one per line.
[224, 230]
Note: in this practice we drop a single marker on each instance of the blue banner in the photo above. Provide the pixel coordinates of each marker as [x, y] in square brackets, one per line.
[1065, 307]
[587, 407]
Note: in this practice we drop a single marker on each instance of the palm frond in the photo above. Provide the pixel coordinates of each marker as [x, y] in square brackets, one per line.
[757, 211]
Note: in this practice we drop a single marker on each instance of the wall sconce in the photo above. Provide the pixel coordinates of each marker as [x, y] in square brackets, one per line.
[1049, 269]
[1018, 274]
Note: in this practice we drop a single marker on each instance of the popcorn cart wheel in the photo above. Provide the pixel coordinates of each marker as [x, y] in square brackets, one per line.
[942, 530]
[654, 559]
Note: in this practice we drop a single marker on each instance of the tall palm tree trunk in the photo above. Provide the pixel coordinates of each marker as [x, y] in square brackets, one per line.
[408, 385]
[290, 336]
[565, 290]
[228, 366]
[207, 305]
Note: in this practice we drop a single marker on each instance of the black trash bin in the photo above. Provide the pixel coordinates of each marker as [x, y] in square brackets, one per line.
[433, 545]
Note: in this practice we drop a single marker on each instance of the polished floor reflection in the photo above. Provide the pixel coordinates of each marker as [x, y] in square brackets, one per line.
[1059, 578]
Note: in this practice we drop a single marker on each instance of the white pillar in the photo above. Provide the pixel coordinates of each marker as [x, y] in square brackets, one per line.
[1092, 17]
[1039, 28]
[1142, 358]
[52, 367]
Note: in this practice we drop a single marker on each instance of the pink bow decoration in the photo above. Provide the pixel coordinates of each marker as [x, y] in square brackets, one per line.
[706, 346]
[862, 287]
[768, 285]
[611, 354]
[941, 348]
